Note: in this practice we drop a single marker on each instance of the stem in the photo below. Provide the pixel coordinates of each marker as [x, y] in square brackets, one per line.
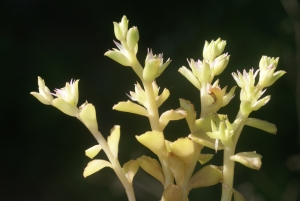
[228, 165]
[115, 165]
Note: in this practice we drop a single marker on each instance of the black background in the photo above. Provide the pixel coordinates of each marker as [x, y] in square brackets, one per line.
[43, 149]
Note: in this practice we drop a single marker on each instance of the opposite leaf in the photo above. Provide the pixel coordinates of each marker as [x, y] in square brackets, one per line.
[93, 151]
[207, 176]
[95, 166]
[113, 140]
[130, 168]
[204, 158]
[152, 167]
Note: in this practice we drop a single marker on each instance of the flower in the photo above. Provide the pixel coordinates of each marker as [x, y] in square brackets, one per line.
[67, 97]
[69, 93]
[154, 66]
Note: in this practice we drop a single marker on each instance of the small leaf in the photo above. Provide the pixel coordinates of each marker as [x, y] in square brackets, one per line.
[178, 167]
[131, 108]
[95, 166]
[204, 158]
[190, 76]
[172, 193]
[171, 115]
[113, 140]
[238, 196]
[88, 117]
[162, 97]
[118, 57]
[262, 125]
[130, 168]
[207, 176]
[93, 151]
[153, 140]
[65, 107]
[249, 159]
[183, 148]
[200, 137]
[152, 167]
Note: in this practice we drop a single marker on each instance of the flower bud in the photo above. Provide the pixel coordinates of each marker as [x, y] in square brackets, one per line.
[220, 63]
[213, 49]
[132, 37]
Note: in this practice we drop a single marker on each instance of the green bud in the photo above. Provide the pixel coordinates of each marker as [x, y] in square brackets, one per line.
[124, 26]
[220, 63]
[204, 72]
[118, 31]
[266, 61]
[132, 37]
[150, 70]
[213, 49]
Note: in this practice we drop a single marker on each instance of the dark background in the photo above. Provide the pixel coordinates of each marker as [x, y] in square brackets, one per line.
[43, 150]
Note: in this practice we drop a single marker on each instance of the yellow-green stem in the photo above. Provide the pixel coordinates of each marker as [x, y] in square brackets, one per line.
[115, 165]
[228, 165]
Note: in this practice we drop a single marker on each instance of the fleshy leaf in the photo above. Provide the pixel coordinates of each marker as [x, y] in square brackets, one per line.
[95, 166]
[207, 176]
[171, 115]
[178, 167]
[190, 76]
[153, 140]
[152, 167]
[249, 159]
[131, 108]
[130, 168]
[200, 137]
[204, 158]
[184, 149]
[262, 125]
[172, 193]
[93, 151]
[238, 196]
[113, 140]
[65, 107]
[88, 117]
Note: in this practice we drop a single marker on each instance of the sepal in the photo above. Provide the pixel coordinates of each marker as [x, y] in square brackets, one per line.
[204, 158]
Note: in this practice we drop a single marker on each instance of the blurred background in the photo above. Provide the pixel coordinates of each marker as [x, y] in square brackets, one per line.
[43, 150]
